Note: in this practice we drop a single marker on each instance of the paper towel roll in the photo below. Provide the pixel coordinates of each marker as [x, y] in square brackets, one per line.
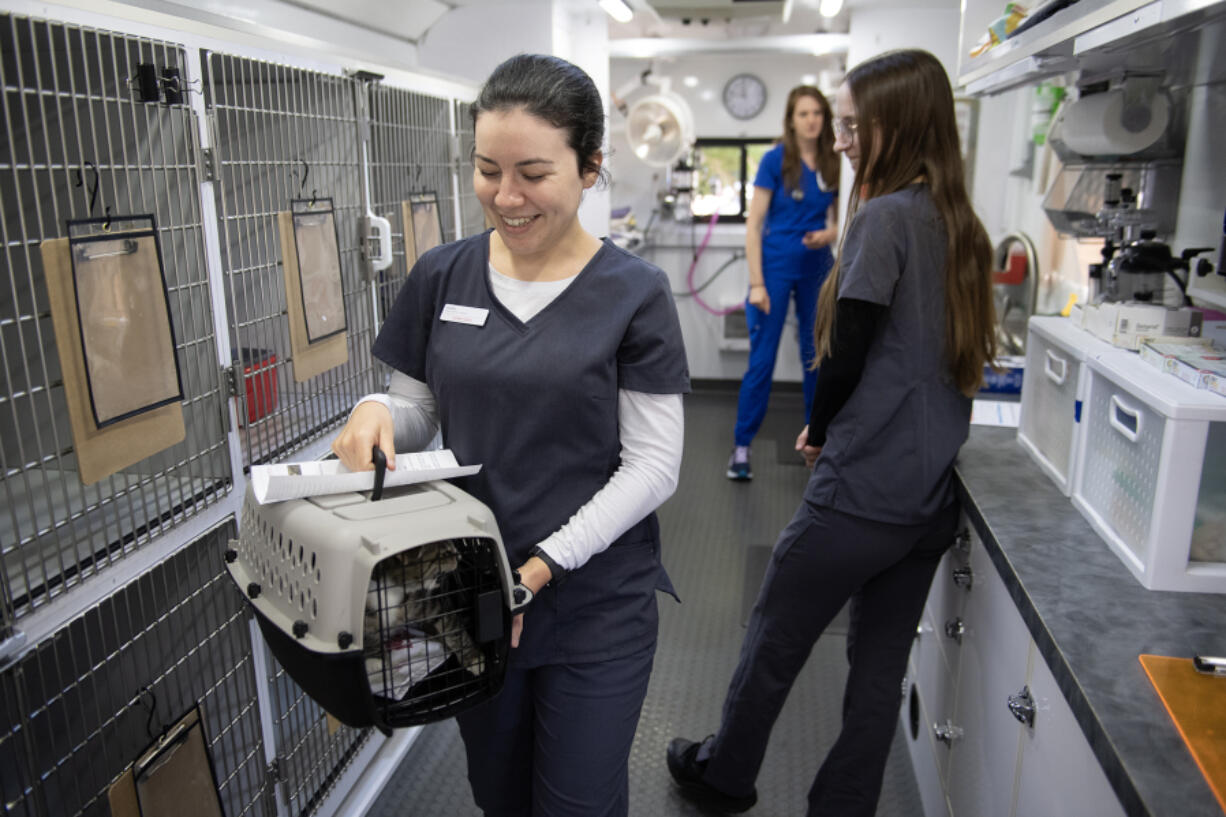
[1111, 124]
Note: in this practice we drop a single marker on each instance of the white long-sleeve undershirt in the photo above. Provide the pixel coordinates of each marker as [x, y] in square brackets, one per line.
[651, 428]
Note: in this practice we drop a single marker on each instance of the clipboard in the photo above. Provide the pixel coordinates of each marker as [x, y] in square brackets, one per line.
[173, 776]
[314, 303]
[100, 451]
[423, 227]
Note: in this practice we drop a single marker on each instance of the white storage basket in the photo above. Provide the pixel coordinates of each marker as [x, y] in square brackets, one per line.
[388, 613]
[1052, 394]
[1152, 474]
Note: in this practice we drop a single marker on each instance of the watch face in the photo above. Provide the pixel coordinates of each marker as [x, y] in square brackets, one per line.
[745, 96]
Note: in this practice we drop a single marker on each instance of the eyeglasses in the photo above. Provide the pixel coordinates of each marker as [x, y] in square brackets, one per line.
[845, 128]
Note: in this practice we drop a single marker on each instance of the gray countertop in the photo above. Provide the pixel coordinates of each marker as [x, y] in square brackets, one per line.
[1090, 619]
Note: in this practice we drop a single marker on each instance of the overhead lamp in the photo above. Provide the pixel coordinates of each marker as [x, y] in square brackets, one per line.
[829, 8]
[618, 10]
[787, 10]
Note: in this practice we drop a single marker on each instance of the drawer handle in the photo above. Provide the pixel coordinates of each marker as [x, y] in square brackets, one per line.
[1125, 419]
[946, 732]
[1053, 358]
[1022, 706]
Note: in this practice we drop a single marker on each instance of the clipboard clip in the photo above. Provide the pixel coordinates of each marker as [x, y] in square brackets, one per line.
[126, 247]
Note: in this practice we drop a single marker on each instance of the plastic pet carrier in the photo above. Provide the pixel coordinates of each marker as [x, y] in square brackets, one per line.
[388, 613]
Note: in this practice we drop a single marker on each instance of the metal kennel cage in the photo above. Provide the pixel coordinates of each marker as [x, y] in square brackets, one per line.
[388, 613]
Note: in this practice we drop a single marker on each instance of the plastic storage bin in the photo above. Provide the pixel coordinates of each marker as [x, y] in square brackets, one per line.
[261, 389]
[1152, 474]
[388, 613]
[1049, 426]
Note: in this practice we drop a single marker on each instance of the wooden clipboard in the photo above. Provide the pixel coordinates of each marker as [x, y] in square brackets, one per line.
[173, 776]
[310, 359]
[100, 451]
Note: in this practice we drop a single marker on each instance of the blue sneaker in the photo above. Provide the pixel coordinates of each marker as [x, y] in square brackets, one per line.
[738, 465]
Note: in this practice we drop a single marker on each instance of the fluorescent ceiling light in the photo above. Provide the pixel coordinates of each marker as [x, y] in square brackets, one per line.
[691, 81]
[829, 8]
[787, 10]
[618, 10]
[808, 79]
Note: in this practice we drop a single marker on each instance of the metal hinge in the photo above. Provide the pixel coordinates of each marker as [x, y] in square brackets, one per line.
[208, 164]
[272, 773]
[230, 379]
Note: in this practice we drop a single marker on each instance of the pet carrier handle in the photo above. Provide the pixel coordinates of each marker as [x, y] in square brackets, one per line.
[380, 460]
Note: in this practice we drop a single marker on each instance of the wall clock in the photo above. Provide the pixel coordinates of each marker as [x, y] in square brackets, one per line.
[745, 96]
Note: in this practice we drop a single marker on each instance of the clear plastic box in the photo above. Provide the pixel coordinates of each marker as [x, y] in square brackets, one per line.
[1052, 393]
[1151, 476]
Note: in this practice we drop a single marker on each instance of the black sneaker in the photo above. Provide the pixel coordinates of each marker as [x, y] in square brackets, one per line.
[738, 469]
[684, 766]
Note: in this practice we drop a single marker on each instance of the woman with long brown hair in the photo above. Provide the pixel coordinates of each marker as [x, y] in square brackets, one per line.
[790, 227]
[904, 329]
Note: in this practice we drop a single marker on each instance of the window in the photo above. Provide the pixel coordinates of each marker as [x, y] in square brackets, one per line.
[724, 170]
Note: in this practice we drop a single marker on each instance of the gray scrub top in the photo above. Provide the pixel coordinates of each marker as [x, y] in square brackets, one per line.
[535, 404]
[890, 451]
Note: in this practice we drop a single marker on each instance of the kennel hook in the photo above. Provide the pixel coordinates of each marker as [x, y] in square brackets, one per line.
[149, 701]
[93, 187]
[106, 225]
[306, 172]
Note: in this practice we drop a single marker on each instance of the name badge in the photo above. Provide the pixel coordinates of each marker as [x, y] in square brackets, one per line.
[470, 315]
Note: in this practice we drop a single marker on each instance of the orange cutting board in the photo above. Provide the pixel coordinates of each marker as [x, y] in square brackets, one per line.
[1197, 704]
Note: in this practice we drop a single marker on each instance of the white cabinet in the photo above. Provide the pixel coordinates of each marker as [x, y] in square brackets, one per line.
[971, 754]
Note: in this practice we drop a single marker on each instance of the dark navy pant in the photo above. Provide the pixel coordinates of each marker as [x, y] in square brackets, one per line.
[765, 330]
[823, 558]
[556, 740]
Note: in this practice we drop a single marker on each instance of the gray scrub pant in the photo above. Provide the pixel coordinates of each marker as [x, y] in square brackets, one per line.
[556, 740]
[822, 558]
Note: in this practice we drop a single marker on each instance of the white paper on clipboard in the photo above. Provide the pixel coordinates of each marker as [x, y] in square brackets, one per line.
[294, 480]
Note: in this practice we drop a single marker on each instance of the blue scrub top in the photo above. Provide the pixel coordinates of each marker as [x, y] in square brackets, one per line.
[788, 217]
[536, 404]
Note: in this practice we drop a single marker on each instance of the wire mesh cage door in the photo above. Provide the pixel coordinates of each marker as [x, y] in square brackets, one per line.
[91, 130]
[472, 217]
[285, 135]
[411, 157]
[81, 705]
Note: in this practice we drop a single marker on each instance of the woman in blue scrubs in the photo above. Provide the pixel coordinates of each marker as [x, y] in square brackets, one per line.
[554, 359]
[905, 327]
[792, 221]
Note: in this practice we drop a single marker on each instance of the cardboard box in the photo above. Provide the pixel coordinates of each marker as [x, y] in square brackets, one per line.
[1126, 324]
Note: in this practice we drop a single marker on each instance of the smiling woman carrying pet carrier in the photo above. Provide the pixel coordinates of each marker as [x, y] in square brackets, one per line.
[555, 360]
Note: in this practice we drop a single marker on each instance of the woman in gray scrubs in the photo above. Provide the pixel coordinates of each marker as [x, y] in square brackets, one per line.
[904, 329]
[554, 359]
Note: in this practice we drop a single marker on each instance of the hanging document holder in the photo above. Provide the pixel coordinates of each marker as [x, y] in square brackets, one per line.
[388, 613]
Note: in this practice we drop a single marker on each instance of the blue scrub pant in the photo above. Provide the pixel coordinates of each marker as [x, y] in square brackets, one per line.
[765, 330]
[822, 558]
[556, 740]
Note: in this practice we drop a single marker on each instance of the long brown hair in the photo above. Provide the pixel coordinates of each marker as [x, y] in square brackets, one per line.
[827, 159]
[907, 129]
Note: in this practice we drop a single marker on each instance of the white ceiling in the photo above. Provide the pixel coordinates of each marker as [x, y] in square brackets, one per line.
[687, 19]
